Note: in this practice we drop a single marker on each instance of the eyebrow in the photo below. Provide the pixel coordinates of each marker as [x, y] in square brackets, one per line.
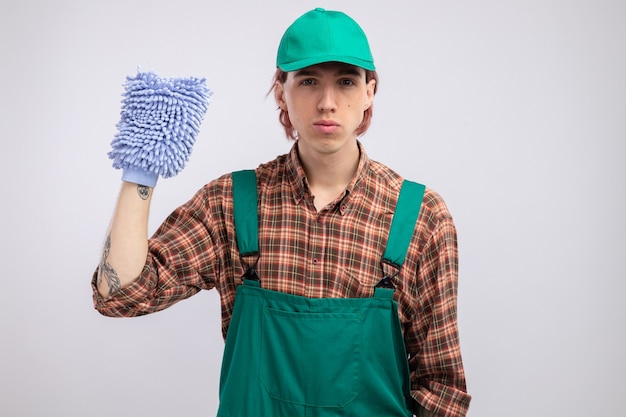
[344, 70]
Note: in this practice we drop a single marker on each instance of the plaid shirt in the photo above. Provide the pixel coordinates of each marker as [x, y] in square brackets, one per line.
[332, 253]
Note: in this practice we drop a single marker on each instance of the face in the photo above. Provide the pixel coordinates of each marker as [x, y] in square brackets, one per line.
[325, 104]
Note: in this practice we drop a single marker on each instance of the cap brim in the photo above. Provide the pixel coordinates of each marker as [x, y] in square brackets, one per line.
[298, 65]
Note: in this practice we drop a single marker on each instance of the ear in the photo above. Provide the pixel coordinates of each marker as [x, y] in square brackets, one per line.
[369, 91]
[279, 95]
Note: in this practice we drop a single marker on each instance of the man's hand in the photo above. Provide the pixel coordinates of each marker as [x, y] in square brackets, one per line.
[159, 122]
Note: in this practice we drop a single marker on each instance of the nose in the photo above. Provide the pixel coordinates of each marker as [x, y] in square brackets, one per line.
[327, 102]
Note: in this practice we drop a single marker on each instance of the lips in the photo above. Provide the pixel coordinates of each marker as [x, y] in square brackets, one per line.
[326, 123]
[326, 126]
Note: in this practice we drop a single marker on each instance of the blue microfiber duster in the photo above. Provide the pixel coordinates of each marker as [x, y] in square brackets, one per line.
[160, 119]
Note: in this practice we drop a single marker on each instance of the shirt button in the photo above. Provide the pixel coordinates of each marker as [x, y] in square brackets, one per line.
[315, 260]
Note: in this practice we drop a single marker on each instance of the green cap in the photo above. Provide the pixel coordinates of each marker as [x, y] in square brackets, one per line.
[323, 36]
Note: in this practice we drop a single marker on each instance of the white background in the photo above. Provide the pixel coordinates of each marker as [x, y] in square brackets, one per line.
[515, 111]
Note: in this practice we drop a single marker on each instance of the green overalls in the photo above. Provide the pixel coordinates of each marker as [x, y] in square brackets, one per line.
[292, 356]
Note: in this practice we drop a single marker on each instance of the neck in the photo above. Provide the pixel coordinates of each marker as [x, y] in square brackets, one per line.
[328, 174]
[331, 170]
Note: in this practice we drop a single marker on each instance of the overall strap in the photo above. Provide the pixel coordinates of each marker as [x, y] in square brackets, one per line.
[402, 227]
[403, 222]
[245, 205]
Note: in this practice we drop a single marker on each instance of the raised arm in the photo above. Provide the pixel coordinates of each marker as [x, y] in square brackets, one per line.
[159, 121]
[126, 245]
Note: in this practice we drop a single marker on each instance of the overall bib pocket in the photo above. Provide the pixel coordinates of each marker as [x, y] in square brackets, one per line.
[311, 358]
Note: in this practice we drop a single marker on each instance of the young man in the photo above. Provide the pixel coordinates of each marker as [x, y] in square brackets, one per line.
[335, 301]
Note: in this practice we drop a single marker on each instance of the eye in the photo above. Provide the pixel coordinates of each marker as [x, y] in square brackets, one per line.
[347, 82]
[307, 81]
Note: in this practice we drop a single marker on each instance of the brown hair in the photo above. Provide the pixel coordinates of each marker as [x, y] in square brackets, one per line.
[280, 76]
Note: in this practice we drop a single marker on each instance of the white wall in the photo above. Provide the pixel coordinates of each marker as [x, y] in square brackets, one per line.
[513, 110]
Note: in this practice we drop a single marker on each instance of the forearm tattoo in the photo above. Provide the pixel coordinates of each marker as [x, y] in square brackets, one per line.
[106, 271]
[143, 191]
